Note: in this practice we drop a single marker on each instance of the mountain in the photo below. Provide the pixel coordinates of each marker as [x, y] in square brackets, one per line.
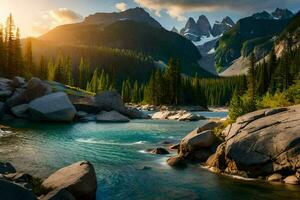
[205, 38]
[290, 37]
[201, 31]
[221, 27]
[251, 34]
[196, 30]
[132, 35]
[262, 15]
[134, 14]
[282, 14]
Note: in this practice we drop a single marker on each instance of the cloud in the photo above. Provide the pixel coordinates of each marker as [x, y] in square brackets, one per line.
[53, 18]
[121, 6]
[177, 8]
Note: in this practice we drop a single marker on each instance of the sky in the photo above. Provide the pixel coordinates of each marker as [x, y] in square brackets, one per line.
[35, 17]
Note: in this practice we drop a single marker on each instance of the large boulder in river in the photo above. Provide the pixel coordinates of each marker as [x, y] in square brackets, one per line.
[85, 104]
[264, 142]
[54, 107]
[79, 179]
[162, 115]
[202, 137]
[111, 100]
[11, 191]
[35, 88]
[112, 116]
[177, 162]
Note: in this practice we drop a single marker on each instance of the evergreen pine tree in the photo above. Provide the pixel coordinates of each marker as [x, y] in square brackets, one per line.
[2, 52]
[136, 98]
[251, 78]
[10, 47]
[43, 71]
[28, 57]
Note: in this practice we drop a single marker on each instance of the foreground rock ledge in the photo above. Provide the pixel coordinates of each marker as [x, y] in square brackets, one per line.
[79, 179]
[262, 143]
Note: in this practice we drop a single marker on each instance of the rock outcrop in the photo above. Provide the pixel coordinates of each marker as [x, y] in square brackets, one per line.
[111, 100]
[54, 107]
[79, 179]
[181, 115]
[261, 143]
[55, 102]
[197, 146]
[35, 88]
[112, 116]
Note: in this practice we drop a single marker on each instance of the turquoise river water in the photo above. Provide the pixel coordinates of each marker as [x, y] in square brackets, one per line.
[117, 153]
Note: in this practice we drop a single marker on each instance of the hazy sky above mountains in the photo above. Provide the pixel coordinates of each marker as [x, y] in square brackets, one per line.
[35, 17]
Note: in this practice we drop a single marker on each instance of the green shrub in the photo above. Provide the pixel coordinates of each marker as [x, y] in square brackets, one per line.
[279, 99]
[240, 105]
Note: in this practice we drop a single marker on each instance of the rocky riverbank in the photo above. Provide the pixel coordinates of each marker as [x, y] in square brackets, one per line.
[264, 144]
[50, 101]
[148, 107]
[77, 181]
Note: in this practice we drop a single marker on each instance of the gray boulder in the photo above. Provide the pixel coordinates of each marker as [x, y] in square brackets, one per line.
[264, 142]
[111, 100]
[7, 168]
[196, 140]
[160, 151]
[85, 104]
[112, 116]
[35, 88]
[18, 82]
[79, 179]
[134, 113]
[20, 111]
[13, 191]
[53, 107]
[177, 162]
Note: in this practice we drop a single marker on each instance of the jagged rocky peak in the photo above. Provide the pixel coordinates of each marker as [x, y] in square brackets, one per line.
[174, 29]
[190, 23]
[282, 13]
[134, 14]
[204, 26]
[262, 15]
[228, 20]
[221, 27]
[191, 30]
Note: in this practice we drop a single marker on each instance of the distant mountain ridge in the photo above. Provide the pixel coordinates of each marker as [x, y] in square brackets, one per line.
[202, 29]
[133, 14]
[139, 32]
[258, 34]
